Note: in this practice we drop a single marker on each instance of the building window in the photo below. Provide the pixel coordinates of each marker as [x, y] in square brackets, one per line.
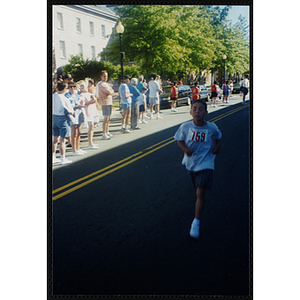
[78, 25]
[103, 57]
[103, 30]
[62, 48]
[91, 28]
[80, 49]
[93, 50]
[60, 20]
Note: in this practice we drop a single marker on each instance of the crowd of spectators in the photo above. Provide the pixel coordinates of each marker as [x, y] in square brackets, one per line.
[75, 106]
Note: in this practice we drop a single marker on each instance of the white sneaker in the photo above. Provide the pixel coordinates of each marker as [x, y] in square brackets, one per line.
[105, 137]
[139, 122]
[81, 151]
[93, 147]
[144, 122]
[77, 153]
[65, 161]
[159, 117]
[195, 231]
[55, 160]
[110, 135]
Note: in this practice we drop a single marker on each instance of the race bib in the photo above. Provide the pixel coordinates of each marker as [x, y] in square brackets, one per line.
[197, 135]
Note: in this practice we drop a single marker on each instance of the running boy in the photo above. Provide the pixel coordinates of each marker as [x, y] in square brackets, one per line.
[200, 141]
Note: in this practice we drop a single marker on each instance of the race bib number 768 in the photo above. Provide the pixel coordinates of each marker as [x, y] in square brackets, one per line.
[197, 135]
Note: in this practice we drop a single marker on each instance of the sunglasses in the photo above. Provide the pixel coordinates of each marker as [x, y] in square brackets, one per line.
[72, 86]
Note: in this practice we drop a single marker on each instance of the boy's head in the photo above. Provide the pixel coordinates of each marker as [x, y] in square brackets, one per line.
[144, 90]
[198, 111]
[199, 101]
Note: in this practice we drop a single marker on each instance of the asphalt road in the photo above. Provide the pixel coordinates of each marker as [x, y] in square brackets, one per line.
[122, 228]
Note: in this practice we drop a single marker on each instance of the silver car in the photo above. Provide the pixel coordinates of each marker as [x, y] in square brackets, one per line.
[204, 93]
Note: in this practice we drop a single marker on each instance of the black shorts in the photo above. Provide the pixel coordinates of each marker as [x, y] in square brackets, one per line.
[214, 94]
[142, 108]
[174, 98]
[245, 91]
[202, 179]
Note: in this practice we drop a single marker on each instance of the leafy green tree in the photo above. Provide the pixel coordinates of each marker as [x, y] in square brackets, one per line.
[150, 38]
[229, 40]
[171, 40]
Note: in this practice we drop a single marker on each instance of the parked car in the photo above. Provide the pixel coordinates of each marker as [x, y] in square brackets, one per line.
[204, 93]
[184, 96]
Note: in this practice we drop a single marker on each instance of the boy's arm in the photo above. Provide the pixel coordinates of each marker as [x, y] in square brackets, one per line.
[184, 148]
[217, 147]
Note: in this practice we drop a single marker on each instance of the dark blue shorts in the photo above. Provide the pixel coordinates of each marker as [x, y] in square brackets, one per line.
[60, 126]
[142, 108]
[202, 179]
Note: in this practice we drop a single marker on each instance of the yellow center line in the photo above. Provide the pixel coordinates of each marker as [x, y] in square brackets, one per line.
[227, 113]
[124, 162]
[104, 169]
[110, 171]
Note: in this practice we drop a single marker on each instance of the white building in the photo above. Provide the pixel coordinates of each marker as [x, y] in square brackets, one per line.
[80, 29]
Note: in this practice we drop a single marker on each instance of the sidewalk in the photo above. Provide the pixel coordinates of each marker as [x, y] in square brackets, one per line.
[170, 119]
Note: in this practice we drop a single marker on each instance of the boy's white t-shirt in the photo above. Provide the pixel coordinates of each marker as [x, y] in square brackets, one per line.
[142, 99]
[201, 141]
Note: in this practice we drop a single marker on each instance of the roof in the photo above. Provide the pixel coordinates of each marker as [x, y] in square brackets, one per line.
[104, 8]
[97, 10]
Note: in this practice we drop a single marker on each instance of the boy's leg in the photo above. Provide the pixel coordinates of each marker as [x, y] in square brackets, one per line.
[199, 203]
[195, 227]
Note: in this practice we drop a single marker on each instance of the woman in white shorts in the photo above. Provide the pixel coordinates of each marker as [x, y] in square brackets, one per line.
[91, 110]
